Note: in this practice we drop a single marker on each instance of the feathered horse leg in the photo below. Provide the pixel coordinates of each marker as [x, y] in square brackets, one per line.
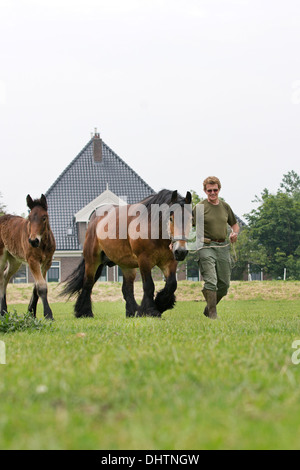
[165, 299]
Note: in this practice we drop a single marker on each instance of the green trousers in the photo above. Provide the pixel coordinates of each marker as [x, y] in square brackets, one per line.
[215, 267]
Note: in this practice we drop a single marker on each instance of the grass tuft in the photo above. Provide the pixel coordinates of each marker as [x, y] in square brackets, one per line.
[11, 322]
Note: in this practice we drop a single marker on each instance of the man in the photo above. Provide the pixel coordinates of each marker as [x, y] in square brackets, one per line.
[214, 256]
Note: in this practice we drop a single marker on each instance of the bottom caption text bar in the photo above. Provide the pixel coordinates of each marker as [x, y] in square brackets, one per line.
[160, 458]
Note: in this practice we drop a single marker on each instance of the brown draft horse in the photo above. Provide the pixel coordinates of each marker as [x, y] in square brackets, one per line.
[27, 240]
[130, 252]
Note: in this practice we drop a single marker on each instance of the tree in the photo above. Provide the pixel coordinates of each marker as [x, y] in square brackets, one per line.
[2, 206]
[248, 251]
[274, 228]
[195, 198]
[291, 184]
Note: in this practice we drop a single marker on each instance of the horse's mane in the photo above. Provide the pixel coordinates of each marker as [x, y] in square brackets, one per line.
[42, 202]
[162, 197]
[37, 202]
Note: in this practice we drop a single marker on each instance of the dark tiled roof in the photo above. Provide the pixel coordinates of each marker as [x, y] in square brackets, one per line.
[84, 180]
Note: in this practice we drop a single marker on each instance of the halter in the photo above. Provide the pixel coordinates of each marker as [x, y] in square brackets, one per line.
[178, 239]
[174, 239]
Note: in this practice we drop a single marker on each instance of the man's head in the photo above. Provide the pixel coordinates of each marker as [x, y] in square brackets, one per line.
[211, 187]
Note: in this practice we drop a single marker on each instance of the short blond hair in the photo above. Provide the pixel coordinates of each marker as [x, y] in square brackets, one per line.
[211, 180]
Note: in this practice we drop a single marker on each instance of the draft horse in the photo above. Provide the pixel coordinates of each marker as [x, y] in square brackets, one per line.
[31, 241]
[133, 245]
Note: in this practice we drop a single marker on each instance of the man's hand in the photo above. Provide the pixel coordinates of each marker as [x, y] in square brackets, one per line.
[234, 233]
[233, 237]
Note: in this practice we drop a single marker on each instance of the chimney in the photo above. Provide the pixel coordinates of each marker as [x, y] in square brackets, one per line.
[97, 147]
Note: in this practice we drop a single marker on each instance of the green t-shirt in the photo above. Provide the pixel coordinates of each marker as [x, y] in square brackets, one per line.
[216, 219]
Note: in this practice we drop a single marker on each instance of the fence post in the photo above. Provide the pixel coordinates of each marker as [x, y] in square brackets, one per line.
[2, 353]
[249, 273]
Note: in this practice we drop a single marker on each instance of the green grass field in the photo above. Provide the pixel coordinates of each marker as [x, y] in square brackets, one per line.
[180, 382]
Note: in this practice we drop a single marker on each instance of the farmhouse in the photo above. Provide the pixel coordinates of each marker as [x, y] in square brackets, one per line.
[97, 176]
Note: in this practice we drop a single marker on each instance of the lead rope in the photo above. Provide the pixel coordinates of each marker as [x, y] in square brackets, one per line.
[234, 256]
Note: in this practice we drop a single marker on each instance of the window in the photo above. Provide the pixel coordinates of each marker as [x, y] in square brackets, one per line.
[120, 274]
[103, 277]
[53, 274]
[21, 277]
[193, 273]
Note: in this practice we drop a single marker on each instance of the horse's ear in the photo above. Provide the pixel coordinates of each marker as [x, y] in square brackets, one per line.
[44, 202]
[29, 202]
[188, 198]
[174, 197]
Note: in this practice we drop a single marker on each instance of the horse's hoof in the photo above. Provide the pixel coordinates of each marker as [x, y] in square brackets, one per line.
[84, 315]
[149, 313]
[155, 313]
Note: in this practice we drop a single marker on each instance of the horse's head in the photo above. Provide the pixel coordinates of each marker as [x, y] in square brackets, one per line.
[180, 224]
[38, 220]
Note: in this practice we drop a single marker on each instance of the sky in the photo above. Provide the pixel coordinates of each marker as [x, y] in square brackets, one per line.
[179, 89]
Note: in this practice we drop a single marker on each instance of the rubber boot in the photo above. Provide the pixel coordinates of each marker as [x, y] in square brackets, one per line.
[219, 298]
[210, 310]
[205, 312]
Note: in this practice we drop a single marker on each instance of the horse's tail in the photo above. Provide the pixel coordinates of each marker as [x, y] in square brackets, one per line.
[74, 283]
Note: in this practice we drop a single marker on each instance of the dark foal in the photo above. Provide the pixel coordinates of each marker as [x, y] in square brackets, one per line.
[31, 241]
